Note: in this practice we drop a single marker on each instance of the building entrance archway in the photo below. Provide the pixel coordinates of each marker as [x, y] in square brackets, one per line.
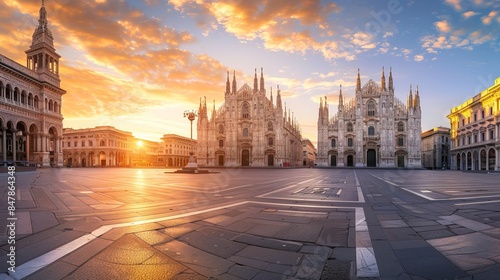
[371, 158]
[245, 157]
[350, 160]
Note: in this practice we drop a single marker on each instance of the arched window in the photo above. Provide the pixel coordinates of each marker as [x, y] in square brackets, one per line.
[371, 131]
[30, 99]
[349, 142]
[401, 126]
[221, 143]
[371, 108]
[333, 143]
[36, 101]
[269, 126]
[221, 129]
[51, 105]
[245, 132]
[349, 127]
[8, 92]
[102, 143]
[270, 141]
[23, 97]
[245, 111]
[401, 141]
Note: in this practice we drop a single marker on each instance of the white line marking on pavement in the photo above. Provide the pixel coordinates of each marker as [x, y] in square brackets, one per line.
[339, 192]
[365, 258]
[361, 198]
[366, 263]
[356, 177]
[478, 202]
[278, 190]
[40, 262]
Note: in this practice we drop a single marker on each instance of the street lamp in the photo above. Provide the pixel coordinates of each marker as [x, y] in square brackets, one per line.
[191, 115]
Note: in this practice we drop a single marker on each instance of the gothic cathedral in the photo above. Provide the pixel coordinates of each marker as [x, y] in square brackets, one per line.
[375, 129]
[248, 129]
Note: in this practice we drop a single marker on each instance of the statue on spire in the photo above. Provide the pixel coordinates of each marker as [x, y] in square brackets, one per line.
[358, 83]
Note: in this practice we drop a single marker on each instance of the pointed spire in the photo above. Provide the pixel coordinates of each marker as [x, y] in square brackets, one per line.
[409, 102]
[234, 82]
[255, 82]
[358, 83]
[272, 95]
[262, 80]
[341, 99]
[382, 81]
[228, 84]
[416, 101]
[42, 32]
[391, 87]
[213, 112]
[321, 103]
[278, 98]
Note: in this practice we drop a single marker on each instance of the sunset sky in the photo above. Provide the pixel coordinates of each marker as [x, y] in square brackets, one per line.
[138, 65]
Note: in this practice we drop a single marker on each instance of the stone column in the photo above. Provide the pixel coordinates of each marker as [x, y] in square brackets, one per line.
[4, 144]
[27, 150]
[14, 144]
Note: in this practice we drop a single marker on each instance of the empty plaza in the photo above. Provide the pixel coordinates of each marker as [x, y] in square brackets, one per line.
[269, 223]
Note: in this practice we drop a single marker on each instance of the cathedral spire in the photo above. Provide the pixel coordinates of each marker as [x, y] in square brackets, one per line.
[358, 83]
[416, 102]
[382, 81]
[391, 86]
[234, 82]
[228, 84]
[409, 103]
[272, 95]
[278, 98]
[213, 112]
[262, 89]
[341, 100]
[255, 82]
[42, 32]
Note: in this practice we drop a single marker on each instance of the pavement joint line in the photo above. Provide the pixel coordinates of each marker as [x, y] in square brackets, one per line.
[451, 198]
[40, 262]
[387, 181]
[477, 202]
[278, 190]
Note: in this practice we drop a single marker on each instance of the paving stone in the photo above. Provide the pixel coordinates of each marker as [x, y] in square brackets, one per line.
[243, 272]
[299, 232]
[428, 263]
[55, 271]
[218, 232]
[262, 265]
[388, 263]
[189, 255]
[408, 244]
[153, 237]
[268, 242]
[270, 255]
[469, 251]
[333, 237]
[429, 228]
[435, 234]
[401, 234]
[84, 253]
[266, 275]
[267, 229]
[281, 218]
[346, 254]
[218, 246]
[128, 258]
[461, 230]
[310, 267]
[179, 230]
[393, 223]
[336, 269]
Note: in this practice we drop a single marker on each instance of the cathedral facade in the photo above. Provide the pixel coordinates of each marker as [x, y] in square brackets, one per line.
[30, 103]
[249, 129]
[375, 129]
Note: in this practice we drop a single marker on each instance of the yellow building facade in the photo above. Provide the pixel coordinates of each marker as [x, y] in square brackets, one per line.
[475, 131]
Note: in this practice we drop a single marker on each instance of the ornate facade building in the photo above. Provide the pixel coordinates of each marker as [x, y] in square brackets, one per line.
[177, 149]
[100, 146]
[249, 129]
[475, 131]
[30, 102]
[375, 129]
[436, 148]
[308, 153]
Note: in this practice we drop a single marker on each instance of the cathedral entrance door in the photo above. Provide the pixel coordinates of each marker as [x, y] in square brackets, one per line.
[371, 158]
[245, 158]
[333, 160]
[350, 160]
[84, 162]
[270, 160]
[401, 161]
[221, 160]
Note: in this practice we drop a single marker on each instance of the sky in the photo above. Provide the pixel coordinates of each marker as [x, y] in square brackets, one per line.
[139, 65]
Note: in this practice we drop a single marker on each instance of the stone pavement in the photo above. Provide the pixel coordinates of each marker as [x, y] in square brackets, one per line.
[351, 225]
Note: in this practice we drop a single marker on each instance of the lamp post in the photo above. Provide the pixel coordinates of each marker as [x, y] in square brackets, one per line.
[191, 115]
